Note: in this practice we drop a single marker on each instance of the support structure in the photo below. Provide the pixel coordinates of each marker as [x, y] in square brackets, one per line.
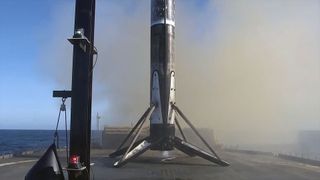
[163, 110]
[83, 51]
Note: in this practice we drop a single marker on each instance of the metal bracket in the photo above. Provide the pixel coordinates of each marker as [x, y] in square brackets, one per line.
[76, 169]
[79, 39]
[62, 94]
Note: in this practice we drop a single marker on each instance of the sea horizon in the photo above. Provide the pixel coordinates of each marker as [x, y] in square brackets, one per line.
[15, 141]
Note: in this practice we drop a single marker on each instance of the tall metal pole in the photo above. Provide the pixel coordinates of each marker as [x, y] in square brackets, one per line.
[80, 128]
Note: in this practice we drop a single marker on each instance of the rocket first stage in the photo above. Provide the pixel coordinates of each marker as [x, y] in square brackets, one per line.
[163, 111]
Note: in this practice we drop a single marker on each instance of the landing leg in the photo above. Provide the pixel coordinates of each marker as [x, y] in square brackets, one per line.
[180, 129]
[194, 129]
[134, 150]
[191, 149]
[141, 120]
[123, 150]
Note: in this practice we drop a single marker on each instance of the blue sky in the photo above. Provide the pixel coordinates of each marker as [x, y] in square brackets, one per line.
[25, 98]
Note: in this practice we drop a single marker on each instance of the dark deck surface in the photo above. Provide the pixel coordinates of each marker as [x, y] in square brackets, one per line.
[150, 166]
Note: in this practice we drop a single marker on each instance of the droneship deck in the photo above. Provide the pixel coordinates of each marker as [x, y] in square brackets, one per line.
[151, 166]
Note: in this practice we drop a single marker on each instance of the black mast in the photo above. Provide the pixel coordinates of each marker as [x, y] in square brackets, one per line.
[83, 50]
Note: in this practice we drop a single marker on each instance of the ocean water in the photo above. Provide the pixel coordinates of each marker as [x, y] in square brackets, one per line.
[17, 141]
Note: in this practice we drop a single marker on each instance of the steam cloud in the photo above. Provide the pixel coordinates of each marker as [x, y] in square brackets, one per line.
[248, 69]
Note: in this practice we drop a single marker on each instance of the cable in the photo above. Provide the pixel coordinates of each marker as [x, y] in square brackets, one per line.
[95, 62]
[56, 135]
[66, 130]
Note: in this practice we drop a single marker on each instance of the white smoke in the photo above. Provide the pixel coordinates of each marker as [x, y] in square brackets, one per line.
[249, 69]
